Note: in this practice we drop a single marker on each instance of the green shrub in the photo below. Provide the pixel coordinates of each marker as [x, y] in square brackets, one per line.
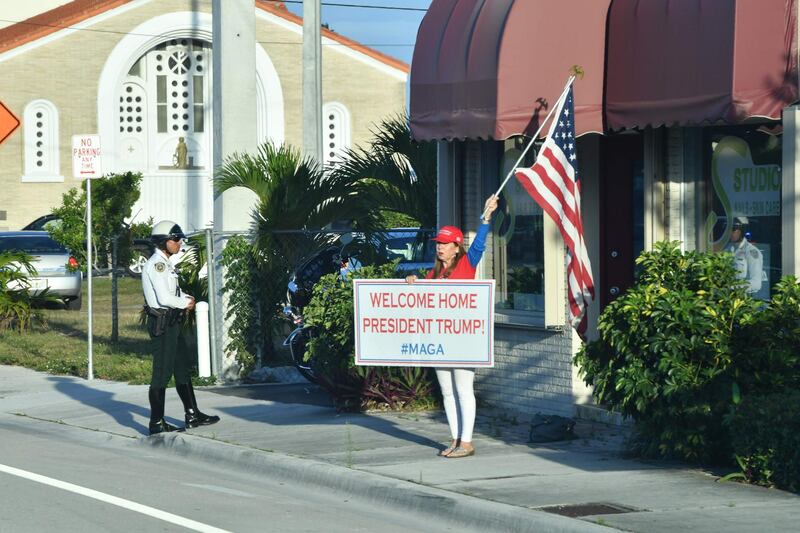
[112, 200]
[237, 258]
[526, 279]
[666, 353]
[16, 310]
[767, 347]
[332, 348]
[765, 433]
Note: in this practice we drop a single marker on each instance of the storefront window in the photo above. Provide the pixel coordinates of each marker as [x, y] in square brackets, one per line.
[743, 165]
[519, 253]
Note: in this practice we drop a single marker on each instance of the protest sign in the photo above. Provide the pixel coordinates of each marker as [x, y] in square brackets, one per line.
[444, 323]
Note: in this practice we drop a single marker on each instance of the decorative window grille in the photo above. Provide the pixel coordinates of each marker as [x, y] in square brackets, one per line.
[162, 103]
[180, 68]
[132, 109]
[40, 122]
[336, 132]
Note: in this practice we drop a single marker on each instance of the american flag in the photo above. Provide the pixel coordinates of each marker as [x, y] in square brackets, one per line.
[553, 182]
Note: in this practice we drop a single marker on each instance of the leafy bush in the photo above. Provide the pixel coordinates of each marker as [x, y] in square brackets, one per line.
[332, 348]
[765, 433]
[15, 299]
[767, 347]
[243, 330]
[526, 279]
[190, 276]
[667, 356]
[112, 200]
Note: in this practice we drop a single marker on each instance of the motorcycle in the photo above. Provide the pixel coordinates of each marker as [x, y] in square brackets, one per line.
[299, 291]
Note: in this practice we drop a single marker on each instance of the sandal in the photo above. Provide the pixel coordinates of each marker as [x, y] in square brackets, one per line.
[460, 452]
[447, 451]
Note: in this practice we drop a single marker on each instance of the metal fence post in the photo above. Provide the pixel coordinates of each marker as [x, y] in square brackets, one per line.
[212, 301]
[114, 292]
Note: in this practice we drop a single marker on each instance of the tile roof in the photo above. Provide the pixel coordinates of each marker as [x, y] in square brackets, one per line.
[52, 21]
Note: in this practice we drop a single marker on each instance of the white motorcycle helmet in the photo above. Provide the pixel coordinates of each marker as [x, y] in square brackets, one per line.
[164, 231]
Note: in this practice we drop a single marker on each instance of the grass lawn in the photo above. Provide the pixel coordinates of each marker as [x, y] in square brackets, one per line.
[60, 347]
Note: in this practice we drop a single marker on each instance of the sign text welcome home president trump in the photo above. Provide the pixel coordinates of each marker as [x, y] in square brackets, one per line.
[446, 323]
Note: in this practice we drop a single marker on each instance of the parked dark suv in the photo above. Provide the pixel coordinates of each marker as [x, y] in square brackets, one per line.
[412, 246]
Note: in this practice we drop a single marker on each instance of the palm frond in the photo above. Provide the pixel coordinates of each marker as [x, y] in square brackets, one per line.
[396, 173]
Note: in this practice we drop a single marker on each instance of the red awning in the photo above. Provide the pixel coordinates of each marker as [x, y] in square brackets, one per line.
[487, 68]
[679, 62]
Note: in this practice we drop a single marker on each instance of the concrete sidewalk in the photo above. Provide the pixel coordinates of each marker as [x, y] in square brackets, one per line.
[293, 432]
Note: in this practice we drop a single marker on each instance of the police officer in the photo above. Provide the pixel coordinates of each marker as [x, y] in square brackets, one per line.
[166, 304]
[746, 258]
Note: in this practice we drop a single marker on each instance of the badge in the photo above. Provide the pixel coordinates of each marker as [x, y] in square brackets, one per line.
[754, 254]
[160, 267]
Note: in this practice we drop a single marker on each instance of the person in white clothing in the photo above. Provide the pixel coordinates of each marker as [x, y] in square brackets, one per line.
[747, 258]
[166, 304]
[454, 261]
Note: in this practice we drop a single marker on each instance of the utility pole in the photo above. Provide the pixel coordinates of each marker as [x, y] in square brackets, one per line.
[234, 109]
[312, 80]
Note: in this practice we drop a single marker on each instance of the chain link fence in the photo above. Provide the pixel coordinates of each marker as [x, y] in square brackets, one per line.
[260, 267]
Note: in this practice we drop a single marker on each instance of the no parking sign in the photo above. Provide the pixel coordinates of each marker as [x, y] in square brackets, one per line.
[86, 164]
[86, 156]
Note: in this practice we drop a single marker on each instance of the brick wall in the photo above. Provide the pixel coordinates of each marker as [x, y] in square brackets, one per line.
[532, 373]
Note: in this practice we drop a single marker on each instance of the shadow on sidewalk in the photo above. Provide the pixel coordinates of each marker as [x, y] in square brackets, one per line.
[295, 393]
[598, 447]
[121, 412]
[299, 400]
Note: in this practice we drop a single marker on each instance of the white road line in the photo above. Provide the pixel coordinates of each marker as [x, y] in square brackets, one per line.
[113, 500]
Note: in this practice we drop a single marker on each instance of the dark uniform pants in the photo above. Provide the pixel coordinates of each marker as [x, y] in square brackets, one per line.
[169, 358]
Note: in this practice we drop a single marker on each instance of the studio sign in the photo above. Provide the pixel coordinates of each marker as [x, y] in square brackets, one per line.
[743, 187]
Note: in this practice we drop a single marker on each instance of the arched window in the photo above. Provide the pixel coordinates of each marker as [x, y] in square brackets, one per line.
[163, 109]
[40, 123]
[336, 132]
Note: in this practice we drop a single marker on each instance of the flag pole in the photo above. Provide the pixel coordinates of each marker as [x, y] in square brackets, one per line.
[533, 139]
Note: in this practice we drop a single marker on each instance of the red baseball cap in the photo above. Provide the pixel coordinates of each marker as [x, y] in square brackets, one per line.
[449, 234]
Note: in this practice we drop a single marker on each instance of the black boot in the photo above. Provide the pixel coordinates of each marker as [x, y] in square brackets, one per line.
[162, 426]
[157, 424]
[194, 417]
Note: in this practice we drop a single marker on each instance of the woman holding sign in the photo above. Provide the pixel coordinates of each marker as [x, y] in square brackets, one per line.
[453, 261]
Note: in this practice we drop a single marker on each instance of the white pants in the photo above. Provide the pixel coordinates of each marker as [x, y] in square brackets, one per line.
[459, 407]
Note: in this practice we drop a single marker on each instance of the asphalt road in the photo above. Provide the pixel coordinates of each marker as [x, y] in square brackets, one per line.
[55, 477]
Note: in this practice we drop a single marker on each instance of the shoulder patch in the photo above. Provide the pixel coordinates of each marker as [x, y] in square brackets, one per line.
[160, 267]
[754, 253]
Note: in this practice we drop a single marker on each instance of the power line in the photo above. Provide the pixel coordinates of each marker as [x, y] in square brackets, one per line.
[59, 27]
[360, 6]
[115, 32]
[338, 44]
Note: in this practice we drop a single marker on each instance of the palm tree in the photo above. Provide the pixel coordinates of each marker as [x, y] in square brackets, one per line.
[293, 192]
[295, 201]
[396, 173]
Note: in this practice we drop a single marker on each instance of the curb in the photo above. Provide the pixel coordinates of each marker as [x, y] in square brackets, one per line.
[452, 507]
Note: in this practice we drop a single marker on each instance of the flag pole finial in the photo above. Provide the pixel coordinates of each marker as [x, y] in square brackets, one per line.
[577, 71]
